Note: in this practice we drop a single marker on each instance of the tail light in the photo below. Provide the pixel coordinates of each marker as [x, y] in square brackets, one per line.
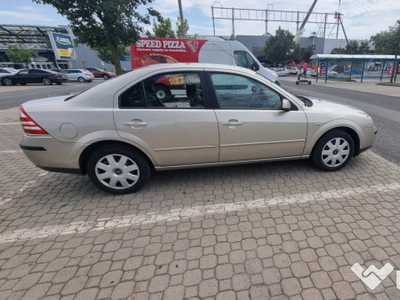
[57, 75]
[28, 124]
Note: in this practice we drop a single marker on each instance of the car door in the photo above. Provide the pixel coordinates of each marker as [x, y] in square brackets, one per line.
[176, 127]
[251, 121]
[36, 76]
[21, 77]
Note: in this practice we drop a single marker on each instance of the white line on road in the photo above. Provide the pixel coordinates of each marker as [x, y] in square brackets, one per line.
[10, 196]
[12, 123]
[177, 214]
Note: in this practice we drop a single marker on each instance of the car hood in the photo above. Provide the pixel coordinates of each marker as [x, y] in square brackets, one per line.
[328, 106]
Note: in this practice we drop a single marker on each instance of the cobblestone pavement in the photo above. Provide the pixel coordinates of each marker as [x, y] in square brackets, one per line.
[263, 231]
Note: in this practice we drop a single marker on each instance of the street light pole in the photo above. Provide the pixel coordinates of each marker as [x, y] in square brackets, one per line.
[181, 17]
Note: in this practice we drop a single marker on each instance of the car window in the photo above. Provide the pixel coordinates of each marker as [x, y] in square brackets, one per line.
[236, 91]
[132, 97]
[174, 90]
[23, 72]
[244, 59]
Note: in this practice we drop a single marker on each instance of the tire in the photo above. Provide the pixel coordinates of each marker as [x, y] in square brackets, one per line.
[24, 83]
[297, 82]
[89, 81]
[118, 169]
[309, 82]
[59, 83]
[7, 81]
[105, 76]
[162, 92]
[81, 80]
[46, 81]
[333, 150]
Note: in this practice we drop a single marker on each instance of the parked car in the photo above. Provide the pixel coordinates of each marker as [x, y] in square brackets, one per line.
[119, 131]
[294, 70]
[81, 75]
[7, 71]
[281, 71]
[353, 71]
[331, 74]
[99, 73]
[25, 76]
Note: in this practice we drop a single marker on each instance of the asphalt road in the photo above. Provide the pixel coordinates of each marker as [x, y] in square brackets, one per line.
[12, 96]
[385, 110]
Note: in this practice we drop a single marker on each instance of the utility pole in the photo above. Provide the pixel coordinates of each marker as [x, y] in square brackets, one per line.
[181, 17]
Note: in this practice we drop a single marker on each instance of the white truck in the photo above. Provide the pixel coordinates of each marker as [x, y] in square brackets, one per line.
[211, 50]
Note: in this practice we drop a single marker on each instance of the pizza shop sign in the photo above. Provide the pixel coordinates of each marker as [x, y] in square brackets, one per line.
[157, 44]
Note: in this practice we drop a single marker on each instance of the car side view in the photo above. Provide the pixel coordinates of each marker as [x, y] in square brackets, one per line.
[47, 77]
[118, 132]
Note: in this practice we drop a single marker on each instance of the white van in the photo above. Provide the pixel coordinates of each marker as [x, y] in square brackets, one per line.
[211, 50]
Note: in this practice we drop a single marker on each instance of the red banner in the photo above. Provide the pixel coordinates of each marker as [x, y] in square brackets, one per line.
[161, 50]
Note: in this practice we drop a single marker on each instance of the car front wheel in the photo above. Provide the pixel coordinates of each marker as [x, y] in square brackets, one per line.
[333, 150]
[46, 81]
[105, 76]
[7, 81]
[81, 80]
[118, 169]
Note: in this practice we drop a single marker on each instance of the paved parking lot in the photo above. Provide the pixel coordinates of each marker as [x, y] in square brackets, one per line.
[263, 231]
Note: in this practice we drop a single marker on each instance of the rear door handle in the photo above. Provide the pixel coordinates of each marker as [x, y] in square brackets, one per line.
[135, 123]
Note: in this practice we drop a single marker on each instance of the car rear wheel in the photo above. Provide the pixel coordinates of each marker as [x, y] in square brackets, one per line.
[333, 150]
[81, 80]
[105, 76]
[7, 81]
[46, 81]
[118, 169]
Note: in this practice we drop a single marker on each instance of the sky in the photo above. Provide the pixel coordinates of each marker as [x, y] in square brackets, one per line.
[361, 18]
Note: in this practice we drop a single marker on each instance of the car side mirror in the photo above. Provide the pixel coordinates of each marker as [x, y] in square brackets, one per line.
[286, 105]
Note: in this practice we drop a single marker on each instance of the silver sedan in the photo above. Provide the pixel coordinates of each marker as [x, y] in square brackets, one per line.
[121, 130]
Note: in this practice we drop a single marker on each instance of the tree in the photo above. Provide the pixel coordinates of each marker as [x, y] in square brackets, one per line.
[105, 53]
[388, 42]
[353, 47]
[163, 29]
[182, 28]
[278, 48]
[18, 54]
[105, 23]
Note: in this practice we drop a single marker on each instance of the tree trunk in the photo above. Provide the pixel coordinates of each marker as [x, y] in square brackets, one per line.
[116, 59]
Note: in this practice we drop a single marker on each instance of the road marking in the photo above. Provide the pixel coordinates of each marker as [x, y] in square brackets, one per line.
[10, 196]
[13, 123]
[184, 213]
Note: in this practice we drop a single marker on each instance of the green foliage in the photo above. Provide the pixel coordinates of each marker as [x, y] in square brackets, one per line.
[182, 28]
[105, 23]
[163, 29]
[279, 48]
[105, 53]
[18, 54]
[388, 42]
[353, 47]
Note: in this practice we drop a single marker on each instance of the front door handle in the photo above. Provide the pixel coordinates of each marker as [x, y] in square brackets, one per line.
[232, 123]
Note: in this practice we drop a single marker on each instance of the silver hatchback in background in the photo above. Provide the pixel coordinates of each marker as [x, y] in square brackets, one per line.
[214, 115]
[80, 75]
